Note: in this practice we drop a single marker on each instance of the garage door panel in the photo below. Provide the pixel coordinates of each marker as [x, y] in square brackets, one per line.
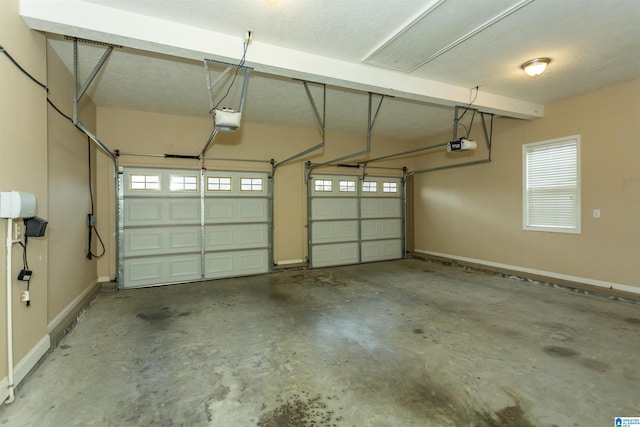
[180, 210]
[184, 239]
[353, 220]
[326, 208]
[172, 225]
[161, 269]
[335, 254]
[230, 210]
[381, 229]
[237, 263]
[236, 236]
[161, 240]
[381, 250]
[334, 231]
[253, 210]
[184, 267]
[381, 208]
[143, 212]
[150, 211]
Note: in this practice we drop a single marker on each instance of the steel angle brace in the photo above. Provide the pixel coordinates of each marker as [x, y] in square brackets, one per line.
[79, 93]
[321, 120]
[371, 119]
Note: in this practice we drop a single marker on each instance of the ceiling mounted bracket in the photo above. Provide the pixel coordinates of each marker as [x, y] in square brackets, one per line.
[371, 119]
[78, 94]
[321, 120]
[225, 119]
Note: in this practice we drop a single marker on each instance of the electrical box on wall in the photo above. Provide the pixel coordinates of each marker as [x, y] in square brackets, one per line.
[35, 227]
[15, 204]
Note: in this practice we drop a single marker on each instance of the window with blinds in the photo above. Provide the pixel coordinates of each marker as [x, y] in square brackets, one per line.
[551, 185]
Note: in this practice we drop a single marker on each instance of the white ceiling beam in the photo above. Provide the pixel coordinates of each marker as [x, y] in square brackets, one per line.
[89, 21]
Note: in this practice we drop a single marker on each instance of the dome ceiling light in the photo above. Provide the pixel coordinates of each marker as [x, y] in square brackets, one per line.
[536, 66]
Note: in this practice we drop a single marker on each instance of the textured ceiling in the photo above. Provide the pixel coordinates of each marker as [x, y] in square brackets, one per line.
[474, 46]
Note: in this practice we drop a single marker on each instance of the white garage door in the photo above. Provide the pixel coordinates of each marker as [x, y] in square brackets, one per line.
[354, 220]
[186, 225]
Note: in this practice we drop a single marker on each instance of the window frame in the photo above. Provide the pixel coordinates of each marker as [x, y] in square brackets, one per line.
[526, 222]
[349, 186]
[325, 185]
[373, 184]
[219, 184]
[389, 187]
[261, 190]
[145, 175]
[184, 183]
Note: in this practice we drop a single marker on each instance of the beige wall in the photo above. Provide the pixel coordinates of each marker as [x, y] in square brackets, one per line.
[152, 133]
[476, 211]
[44, 154]
[70, 272]
[23, 167]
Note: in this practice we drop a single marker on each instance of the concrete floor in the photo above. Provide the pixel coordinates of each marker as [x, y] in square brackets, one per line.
[403, 343]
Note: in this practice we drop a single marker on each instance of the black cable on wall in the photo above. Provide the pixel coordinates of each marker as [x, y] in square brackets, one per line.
[91, 216]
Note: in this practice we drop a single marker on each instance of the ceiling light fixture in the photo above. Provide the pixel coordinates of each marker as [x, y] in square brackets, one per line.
[536, 66]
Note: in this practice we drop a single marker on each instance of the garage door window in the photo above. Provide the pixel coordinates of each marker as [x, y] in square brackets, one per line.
[215, 183]
[144, 182]
[389, 187]
[551, 185]
[369, 186]
[347, 186]
[183, 183]
[251, 184]
[323, 185]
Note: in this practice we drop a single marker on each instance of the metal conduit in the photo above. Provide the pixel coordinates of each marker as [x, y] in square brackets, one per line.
[342, 165]
[390, 156]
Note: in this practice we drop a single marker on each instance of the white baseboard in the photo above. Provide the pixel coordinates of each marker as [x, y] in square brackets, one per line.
[4, 390]
[25, 365]
[69, 308]
[290, 261]
[585, 280]
[104, 279]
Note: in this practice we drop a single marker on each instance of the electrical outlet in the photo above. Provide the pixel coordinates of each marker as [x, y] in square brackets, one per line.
[24, 296]
[596, 213]
[17, 230]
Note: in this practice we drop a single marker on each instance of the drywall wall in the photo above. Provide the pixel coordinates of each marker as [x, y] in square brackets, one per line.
[153, 133]
[42, 153]
[475, 212]
[23, 167]
[70, 273]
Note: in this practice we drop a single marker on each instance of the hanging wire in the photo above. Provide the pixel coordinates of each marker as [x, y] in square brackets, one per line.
[92, 227]
[240, 64]
[466, 108]
[25, 265]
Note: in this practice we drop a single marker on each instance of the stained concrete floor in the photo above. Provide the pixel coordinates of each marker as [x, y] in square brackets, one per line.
[403, 343]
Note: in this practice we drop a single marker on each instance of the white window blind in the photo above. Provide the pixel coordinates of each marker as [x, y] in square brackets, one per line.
[552, 185]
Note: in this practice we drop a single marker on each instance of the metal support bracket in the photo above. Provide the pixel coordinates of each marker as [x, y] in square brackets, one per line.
[371, 119]
[488, 136]
[77, 94]
[321, 120]
[211, 85]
